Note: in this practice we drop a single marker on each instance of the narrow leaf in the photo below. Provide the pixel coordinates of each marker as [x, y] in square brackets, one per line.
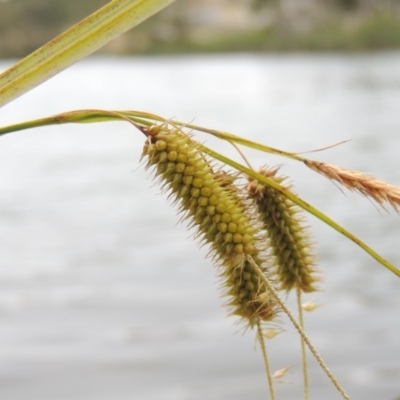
[74, 44]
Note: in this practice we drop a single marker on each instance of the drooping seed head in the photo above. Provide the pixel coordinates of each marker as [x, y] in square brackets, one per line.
[213, 208]
[289, 239]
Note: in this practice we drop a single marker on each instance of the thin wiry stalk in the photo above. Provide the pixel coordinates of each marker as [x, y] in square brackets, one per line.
[261, 340]
[289, 242]
[301, 332]
[219, 134]
[303, 348]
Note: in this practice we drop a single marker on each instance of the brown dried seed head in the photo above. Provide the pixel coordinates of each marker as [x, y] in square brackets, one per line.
[288, 238]
[217, 214]
[356, 181]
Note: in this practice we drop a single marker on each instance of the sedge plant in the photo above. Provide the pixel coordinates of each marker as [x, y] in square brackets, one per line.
[254, 230]
[251, 220]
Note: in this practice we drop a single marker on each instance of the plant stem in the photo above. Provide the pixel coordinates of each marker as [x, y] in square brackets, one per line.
[303, 347]
[301, 332]
[266, 361]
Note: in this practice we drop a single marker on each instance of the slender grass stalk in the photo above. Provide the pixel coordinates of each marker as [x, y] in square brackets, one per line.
[76, 43]
[306, 385]
[224, 135]
[303, 335]
[289, 242]
[270, 381]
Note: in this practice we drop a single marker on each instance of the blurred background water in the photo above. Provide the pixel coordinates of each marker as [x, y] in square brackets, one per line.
[104, 295]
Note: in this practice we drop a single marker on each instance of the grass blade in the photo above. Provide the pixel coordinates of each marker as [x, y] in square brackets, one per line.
[74, 44]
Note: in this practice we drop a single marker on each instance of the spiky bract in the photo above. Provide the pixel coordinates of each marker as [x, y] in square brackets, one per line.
[289, 240]
[214, 209]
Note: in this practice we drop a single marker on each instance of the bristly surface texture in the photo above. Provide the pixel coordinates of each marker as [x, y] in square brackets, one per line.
[288, 238]
[356, 181]
[217, 214]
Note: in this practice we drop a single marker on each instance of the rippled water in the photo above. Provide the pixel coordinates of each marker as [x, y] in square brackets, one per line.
[104, 295]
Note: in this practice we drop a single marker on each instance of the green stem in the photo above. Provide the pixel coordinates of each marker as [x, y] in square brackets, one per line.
[72, 117]
[226, 136]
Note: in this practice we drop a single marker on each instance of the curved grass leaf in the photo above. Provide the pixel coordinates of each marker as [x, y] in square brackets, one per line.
[74, 44]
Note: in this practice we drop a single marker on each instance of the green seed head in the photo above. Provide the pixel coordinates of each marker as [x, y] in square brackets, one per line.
[212, 204]
[289, 240]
